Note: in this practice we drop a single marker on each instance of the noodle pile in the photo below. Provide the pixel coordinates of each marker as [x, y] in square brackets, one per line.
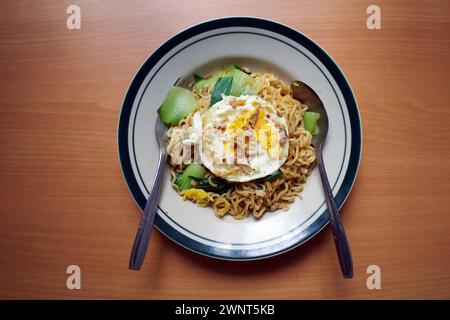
[259, 196]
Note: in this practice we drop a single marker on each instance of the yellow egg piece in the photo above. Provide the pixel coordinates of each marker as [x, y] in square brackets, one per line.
[198, 195]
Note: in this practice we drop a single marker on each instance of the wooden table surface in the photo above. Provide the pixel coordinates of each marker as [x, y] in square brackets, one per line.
[63, 199]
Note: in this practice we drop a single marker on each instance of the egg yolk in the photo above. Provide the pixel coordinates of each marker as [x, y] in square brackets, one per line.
[262, 130]
[240, 123]
[199, 195]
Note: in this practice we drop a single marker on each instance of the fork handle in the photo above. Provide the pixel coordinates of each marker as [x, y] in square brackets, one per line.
[340, 239]
[145, 227]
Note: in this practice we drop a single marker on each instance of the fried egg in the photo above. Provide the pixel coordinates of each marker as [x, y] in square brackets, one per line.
[240, 138]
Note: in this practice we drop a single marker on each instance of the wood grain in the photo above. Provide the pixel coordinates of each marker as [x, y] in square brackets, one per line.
[63, 199]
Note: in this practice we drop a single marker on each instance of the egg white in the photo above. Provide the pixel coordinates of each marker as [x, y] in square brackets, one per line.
[212, 129]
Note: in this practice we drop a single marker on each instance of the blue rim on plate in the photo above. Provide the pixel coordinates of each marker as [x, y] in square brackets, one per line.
[322, 56]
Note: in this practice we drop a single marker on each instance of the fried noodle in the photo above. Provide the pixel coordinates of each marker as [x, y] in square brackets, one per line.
[258, 197]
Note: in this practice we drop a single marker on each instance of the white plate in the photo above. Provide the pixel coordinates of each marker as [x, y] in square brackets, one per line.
[262, 45]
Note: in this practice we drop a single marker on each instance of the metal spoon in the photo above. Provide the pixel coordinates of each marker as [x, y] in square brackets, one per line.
[306, 95]
[145, 228]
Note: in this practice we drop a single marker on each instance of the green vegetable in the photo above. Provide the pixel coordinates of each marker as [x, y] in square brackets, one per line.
[310, 122]
[252, 87]
[211, 81]
[272, 176]
[206, 83]
[239, 79]
[240, 68]
[236, 84]
[203, 183]
[223, 86]
[198, 78]
[243, 83]
[178, 103]
[260, 181]
[192, 171]
[177, 176]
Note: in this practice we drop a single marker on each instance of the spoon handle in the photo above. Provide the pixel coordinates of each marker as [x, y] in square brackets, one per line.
[145, 228]
[340, 239]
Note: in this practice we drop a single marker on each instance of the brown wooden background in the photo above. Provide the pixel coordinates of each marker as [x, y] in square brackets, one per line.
[63, 200]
